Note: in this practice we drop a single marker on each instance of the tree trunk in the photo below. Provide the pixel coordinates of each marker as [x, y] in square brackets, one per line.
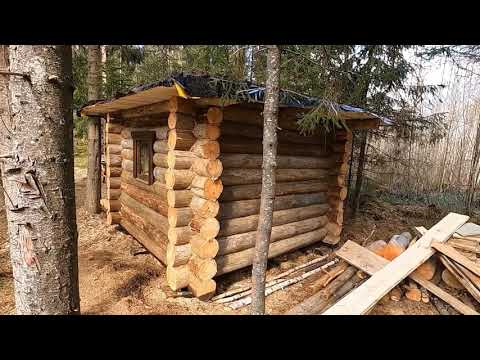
[38, 179]
[268, 181]
[472, 178]
[94, 190]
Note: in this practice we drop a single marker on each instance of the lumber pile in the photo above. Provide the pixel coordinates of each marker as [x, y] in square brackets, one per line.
[414, 266]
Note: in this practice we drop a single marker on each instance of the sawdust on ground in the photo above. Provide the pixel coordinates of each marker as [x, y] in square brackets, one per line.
[118, 277]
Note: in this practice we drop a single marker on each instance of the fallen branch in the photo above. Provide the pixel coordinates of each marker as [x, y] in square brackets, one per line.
[247, 300]
[279, 276]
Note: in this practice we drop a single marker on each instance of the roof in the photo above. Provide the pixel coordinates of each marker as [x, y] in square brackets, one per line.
[211, 88]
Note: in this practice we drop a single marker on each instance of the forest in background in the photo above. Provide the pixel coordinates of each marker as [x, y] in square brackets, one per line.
[429, 152]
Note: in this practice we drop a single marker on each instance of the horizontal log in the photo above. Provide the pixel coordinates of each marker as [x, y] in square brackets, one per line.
[230, 128]
[113, 194]
[127, 143]
[127, 154]
[178, 254]
[153, 240]
[161, 132]
[114, 139]
[114, 160]
[180, 105]
[201, 289]
[207, 168]
[160, 146]
[179, 198]
[113, 171]
[114, 182]
[203, 207]
[178, 179]
[156, 188]
[239, 242]
[156, 220]
[181, 121]
[114, 149]
[159, 174]
[179, 159]
[114, 128]
[254, 176]
[203, 269]
[254, 161]
[206, 188]
[207, 227]
[153, 201]
[177, 277]
[206, 131]
[180, 139]
[250, 223]
[181, 235]
[206, 149]
[214, 115]
[114, 218]
[142, 111]
[127, 165]
[241, 259]
[253, 191]
[204, 248]
[178, 217]
[243, 145]
[241, 208]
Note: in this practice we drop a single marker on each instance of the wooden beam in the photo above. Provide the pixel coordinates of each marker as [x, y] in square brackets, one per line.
[362, 299]
[370, 263]
[457, 257]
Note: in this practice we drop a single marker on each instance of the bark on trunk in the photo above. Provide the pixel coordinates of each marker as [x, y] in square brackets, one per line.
[38, 178]
[359, 179]
[94, 79]
[268, 181]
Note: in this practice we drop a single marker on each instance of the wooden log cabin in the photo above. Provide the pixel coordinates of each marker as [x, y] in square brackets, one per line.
[184, 173]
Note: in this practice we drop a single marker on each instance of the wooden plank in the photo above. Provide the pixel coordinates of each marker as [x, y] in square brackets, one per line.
[469, 229]
[370, 263]
[363, 298]
[457, 273]
[453, 254]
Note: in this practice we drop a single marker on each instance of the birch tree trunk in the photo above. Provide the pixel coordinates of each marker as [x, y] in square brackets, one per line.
[94, 80]
[270, 116]
[37, 176]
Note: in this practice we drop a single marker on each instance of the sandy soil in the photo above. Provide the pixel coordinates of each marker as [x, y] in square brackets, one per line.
[118, 277]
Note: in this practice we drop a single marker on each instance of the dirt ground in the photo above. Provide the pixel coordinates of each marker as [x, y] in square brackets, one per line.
[118, 277]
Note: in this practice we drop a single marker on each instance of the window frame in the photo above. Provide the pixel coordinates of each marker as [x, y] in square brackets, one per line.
[143, 137]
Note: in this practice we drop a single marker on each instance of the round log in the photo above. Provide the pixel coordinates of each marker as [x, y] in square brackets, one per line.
[241, 259]
[179, 216]
[204, 248]
[427, 269]
[180, 235]
[178, 179]
[127, 143]
[114, 139]
[239, 242]
[241, 208]
[113, 194]
[203, 269]
[153, 201]
[160, 146]
[180, 139]
[127, 154]
[159, 174]
[114, 128]
[207, 149]
[207, 168]
[201, 289]
[114, 149]
[254, 176]
[254, 161]
[180, 160]
[161, 133]
[214, 116]
[127, 165]
[113, 171]
[177, 277]
[160, 160]
[113, 218]
[114, 182]
[206, 188]
[114, 160]
[206, 131]
[179, 198]
[180, 121]
[203, 207]
[250, 223]
[207, 227]
[156, 188]
[178, 254]
[334, 229]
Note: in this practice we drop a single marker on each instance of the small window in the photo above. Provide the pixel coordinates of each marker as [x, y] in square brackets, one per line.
[143, 155]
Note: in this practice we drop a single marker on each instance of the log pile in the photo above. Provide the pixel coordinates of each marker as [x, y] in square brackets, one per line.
[206, 187]
[113, 149]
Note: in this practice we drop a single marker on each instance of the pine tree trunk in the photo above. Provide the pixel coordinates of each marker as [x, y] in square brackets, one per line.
[268, 181]
[37, 175]
[94, 190]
